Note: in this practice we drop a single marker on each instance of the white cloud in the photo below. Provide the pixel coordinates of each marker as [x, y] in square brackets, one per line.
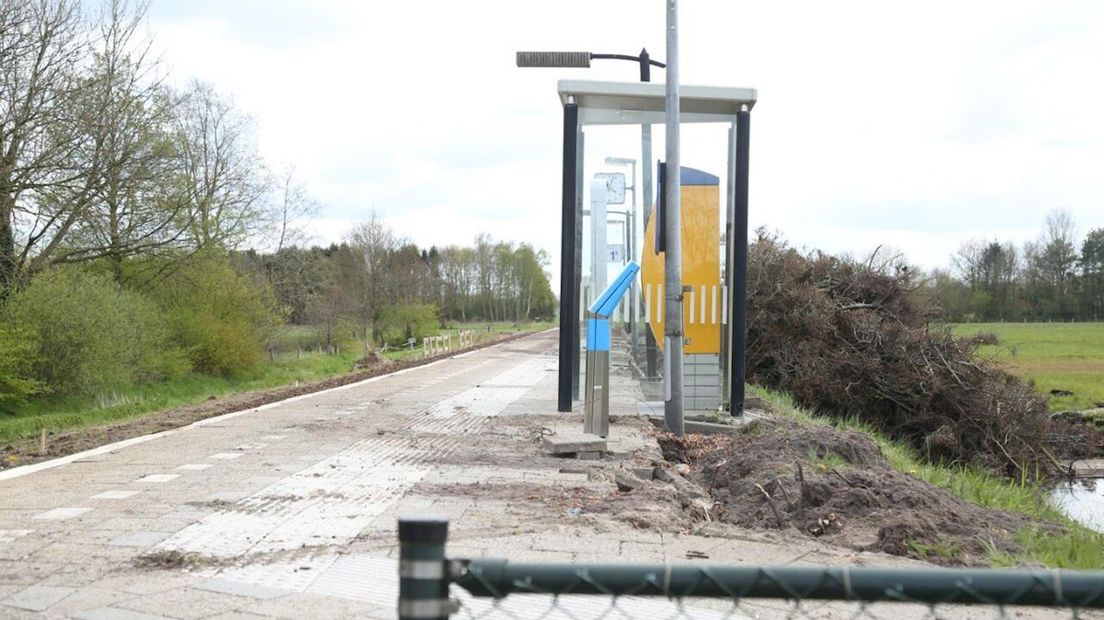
[917, 126]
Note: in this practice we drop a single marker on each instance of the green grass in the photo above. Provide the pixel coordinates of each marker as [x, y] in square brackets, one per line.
[1056, 356]
[828, 461]
[146, 399]
[71, 413]
[940, 549]
[1079, 547]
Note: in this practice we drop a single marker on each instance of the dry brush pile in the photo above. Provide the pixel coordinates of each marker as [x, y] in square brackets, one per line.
[850, 339]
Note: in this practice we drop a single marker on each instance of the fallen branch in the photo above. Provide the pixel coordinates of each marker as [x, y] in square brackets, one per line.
[842, 477]
[782, 490]
[770, 502]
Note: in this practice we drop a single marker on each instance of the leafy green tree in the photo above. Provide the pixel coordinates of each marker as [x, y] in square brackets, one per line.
[415, 321]
[1092, 274]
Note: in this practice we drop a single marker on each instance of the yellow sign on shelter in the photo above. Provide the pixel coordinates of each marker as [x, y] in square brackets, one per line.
[703, 305]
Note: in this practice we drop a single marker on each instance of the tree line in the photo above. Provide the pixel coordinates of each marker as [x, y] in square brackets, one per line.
[143, 237]
[383, 288]
[1059, 276]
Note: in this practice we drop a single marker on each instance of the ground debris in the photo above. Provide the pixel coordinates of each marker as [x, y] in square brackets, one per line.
[167, 560]
[837, 486]
[77, 440]
[853, 339]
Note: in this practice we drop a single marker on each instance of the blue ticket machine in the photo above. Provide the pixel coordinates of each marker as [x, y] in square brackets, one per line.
[596, 420]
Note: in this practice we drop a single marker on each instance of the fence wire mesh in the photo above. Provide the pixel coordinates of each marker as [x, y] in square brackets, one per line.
[432, 586]
[639, 591]
[575, 607]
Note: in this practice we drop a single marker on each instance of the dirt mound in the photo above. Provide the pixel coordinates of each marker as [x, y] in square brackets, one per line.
[374, 359]
[836, 485]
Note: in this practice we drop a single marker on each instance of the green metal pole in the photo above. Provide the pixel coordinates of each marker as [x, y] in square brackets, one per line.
[423, 577]
[1074, 589]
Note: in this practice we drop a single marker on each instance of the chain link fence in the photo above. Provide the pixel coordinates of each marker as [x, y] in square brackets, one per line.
[432, 586]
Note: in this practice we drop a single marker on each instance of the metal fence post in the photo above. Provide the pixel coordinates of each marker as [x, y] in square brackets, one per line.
[423, 578]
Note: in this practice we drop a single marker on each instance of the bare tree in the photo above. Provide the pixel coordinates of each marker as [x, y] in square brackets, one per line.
[41, 43]
[1059, 247]
[223, 179]
[134, 207]
[293, 207]
[377, 286]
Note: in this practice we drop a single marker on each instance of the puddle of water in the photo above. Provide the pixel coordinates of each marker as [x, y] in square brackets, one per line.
[1082, 500]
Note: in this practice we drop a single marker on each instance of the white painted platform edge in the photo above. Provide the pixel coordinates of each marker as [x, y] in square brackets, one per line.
[25, 470]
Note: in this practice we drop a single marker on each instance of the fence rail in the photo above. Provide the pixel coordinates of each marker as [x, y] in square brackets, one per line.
[434, 345]
[425, 574]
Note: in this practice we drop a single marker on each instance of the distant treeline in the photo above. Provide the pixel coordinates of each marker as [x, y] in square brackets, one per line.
[1057, 277]
[387, 288]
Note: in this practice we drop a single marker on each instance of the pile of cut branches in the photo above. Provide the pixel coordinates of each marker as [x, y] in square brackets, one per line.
[851, 339]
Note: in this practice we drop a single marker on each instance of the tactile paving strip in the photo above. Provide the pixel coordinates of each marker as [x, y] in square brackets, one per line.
[330, 502]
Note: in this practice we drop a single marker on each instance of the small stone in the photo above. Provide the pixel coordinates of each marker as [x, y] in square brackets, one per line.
[662, 474]
[627, 481]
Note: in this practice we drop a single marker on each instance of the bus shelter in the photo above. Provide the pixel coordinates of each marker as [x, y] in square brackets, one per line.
[588, 103]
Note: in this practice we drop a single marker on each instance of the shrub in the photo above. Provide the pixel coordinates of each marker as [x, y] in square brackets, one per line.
[410, 321]
[17, 357]
[852, 341]
[89, 335]
[983, 338]
[219, 318]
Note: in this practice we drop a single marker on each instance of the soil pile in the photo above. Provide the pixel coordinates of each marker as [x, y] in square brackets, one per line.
[374, 359]
[836, 485]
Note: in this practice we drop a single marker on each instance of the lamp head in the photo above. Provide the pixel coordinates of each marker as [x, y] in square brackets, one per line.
[553, 59]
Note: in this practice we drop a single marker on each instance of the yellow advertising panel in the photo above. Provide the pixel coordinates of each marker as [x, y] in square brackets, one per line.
[702, 305]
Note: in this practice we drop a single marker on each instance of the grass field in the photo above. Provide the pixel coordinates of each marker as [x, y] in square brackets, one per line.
[140, 400]
[1056, 356]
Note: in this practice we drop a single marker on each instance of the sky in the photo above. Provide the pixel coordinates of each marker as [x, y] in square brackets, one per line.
[915, 126]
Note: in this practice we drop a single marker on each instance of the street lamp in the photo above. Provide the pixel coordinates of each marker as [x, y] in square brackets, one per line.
[572, 238]
[581, 60]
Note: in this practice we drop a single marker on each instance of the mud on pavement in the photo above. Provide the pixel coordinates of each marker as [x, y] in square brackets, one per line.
[80, 439]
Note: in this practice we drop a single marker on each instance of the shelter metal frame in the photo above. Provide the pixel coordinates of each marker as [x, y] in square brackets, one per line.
[597, 103]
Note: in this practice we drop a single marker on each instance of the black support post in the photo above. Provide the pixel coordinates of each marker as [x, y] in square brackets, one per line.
[738, 290]
[569, 305]
[423, 576]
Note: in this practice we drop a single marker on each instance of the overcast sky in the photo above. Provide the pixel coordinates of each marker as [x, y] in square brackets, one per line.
[916, 125]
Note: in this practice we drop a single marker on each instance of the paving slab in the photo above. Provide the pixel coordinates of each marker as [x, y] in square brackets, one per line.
[116, 613]
[37, 598]
[573, 443]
